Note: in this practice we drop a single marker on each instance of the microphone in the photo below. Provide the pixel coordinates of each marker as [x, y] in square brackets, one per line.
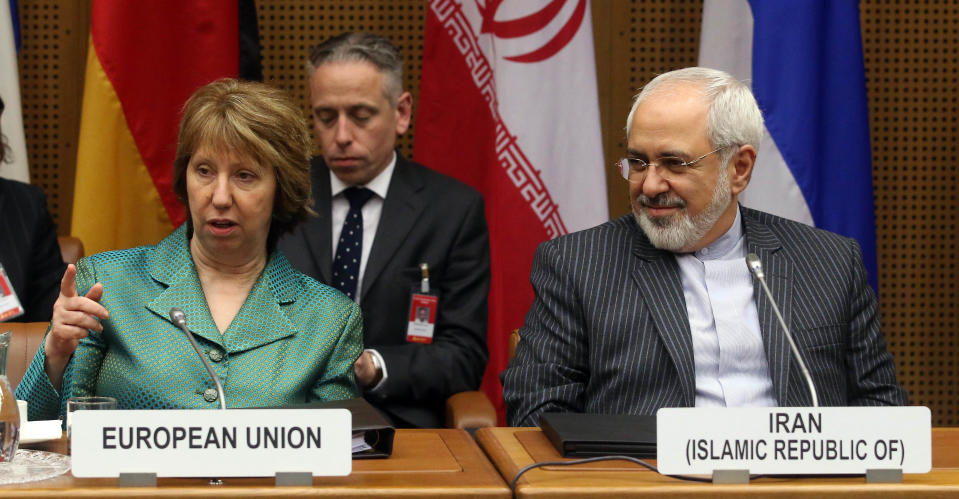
[179, 320]
[756, 268]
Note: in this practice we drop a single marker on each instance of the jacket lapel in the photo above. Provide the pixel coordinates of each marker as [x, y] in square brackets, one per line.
[319, 233]
[761, 241]
[261, 320]
[401, 209]
[657, 275]
[171, 265]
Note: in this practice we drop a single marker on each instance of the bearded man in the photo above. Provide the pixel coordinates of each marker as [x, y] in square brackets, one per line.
[659, 309]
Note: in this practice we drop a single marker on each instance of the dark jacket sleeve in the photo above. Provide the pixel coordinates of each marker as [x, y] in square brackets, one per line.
[31, 254]
[456, 358]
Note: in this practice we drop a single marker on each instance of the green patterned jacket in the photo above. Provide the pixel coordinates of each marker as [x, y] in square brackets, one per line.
[293, 341]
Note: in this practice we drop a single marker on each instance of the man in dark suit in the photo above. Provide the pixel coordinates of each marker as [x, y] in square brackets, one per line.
[29, 251]
[387, 216]
[658, 308]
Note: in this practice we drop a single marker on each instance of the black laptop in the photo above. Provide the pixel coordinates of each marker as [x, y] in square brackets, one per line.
[589, 435]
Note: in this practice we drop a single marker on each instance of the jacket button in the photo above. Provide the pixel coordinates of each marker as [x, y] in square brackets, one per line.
[215, 355]
[210, 395]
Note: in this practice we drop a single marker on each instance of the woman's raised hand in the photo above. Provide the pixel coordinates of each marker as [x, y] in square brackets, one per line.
[73, 317]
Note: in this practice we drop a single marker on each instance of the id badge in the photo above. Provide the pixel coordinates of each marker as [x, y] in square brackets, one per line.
[9, 303]
[422, 318]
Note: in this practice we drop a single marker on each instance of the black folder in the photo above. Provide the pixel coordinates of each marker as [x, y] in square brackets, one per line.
[589, 435]
[377, 430]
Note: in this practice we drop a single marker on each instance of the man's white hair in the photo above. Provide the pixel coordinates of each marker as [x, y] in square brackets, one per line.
[733, 118]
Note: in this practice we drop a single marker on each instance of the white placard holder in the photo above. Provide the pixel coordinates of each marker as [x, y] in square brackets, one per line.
[292, 445]
[730, 443]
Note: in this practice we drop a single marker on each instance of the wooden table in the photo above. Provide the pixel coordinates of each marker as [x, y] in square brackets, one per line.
[425, 463]
[512, 448]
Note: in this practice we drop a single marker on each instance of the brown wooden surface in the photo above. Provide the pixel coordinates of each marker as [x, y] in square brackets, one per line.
[512, 448]
[425, 463]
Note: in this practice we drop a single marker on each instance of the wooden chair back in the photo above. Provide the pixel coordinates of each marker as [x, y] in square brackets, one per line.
[24, 343]
[513, 341]
[71, 248]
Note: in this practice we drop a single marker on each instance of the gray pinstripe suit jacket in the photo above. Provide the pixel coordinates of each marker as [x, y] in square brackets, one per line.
[608, 330]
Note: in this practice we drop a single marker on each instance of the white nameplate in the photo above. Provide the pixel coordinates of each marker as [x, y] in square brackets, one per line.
[211, 443]
[793, 440]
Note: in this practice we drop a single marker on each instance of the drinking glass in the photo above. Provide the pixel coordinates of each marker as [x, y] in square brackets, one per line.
[88, 404]
[9, 413]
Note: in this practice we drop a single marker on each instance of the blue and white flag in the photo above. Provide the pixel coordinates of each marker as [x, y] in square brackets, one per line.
[803, 60]
[12, 121]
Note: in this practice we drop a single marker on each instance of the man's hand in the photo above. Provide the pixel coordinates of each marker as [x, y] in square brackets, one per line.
[365, 370]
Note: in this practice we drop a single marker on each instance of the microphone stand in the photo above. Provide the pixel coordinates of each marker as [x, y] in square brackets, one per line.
[756, 268]
[179, 320]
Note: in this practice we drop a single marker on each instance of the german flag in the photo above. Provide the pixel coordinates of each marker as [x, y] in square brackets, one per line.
[145, 60]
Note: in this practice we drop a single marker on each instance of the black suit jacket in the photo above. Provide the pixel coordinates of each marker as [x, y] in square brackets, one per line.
[427, 217]
[608, 331]
[29, 250]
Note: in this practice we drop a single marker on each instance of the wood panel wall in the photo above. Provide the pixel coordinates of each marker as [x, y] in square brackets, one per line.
[912, 79]
[52, 63]
[912, 64]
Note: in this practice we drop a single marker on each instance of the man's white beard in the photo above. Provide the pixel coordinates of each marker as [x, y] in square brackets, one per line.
[680, 232]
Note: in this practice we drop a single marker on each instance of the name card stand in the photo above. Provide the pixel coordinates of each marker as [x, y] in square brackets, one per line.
[138, 479]
[731, 477]
[294, 479]
[281, 479]
[741, 477]
[291, 445]
[730, 443]
[884, 475]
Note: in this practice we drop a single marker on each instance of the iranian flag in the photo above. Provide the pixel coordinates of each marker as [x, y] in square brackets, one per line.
[508, 105]
[145, 60]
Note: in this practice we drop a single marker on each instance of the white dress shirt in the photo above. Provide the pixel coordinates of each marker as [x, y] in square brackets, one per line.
[728, 351]
[372, 211]
[371, 214]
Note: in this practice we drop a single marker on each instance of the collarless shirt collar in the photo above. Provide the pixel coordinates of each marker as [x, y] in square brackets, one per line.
[729, 357]
[722, 248]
